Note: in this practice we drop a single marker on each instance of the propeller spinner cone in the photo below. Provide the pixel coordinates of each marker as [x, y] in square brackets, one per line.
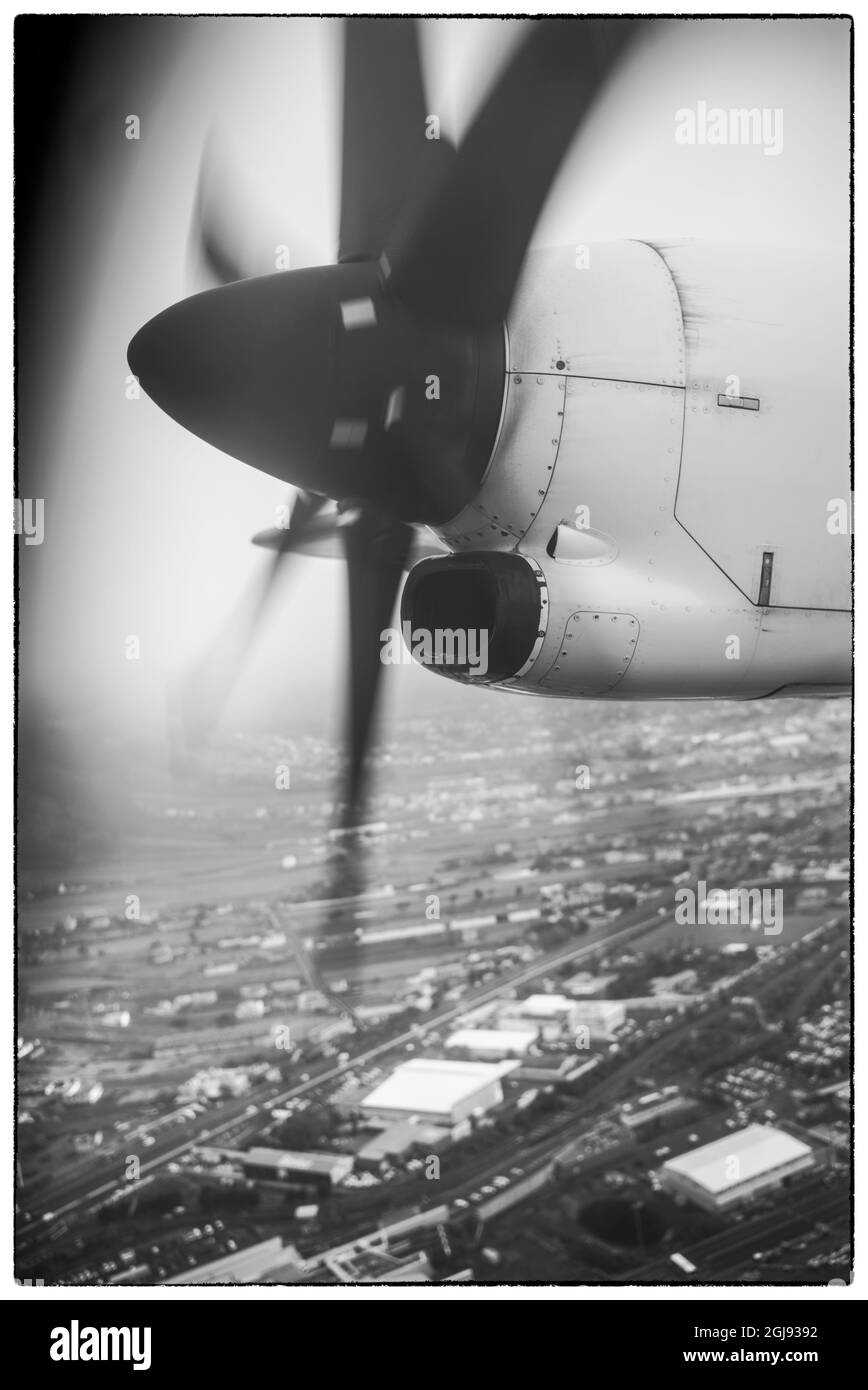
[320, 378]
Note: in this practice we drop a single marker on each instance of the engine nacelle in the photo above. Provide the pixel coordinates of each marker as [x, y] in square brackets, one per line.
[480, 616]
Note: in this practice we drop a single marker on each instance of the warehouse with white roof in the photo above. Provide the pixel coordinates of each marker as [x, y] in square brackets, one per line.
[555, 1014]
[493, 1044]
[718, 1176]
[547, 1006]
[437, 1090]
[601, 1017]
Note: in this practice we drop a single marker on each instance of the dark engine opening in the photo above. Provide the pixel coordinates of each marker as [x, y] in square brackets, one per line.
[472, 617]
[467, 597]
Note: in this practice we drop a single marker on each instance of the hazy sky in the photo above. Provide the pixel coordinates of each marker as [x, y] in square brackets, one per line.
[147, 529]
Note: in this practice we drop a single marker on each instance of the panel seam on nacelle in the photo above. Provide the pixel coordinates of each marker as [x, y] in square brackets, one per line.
[752, 603]
[590, 376]
[552, 470]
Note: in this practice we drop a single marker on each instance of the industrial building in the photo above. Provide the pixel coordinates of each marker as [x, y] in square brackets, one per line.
[320, 1170]
[371, 1265]
[681, 982]
[550, 1014]
[437, 1090]
[493, 1044]
[547, 1070]
[733, 1169]
[556, 1014]
[601, 1017]
[667, 1105]
[548, 1007]
[399, 1141]
[584, 985]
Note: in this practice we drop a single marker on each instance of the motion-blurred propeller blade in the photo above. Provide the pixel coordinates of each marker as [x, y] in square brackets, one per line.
[376, 550]
[319, 376]
[229, 232]
[217, 242]
[201, 698]
[459, 260]
[389, 157]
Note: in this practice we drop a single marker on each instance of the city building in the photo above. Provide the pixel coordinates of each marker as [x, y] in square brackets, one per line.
[587, 986]
[212, 1083]
[471, 928]
[320, 1170]
[379, 935]
[368, 1262]
[601, 1017]
[290, 985]
[556, 1015]
[720, 1175]
[548, 1069]
[673, 984]
[438, 1090]
[249, 1009]
[312, 1001]
[400, 1141]
[667, 1105]
[548, 1007]
[492, 1044]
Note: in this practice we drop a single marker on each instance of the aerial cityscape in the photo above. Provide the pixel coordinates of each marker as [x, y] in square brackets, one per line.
[530, 1063]
[433, 726]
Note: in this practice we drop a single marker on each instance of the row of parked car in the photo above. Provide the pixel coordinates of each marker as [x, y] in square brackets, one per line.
[491, 1189]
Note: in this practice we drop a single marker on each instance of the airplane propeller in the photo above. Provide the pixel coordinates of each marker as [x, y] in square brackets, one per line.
[198, 701]
[378, 382]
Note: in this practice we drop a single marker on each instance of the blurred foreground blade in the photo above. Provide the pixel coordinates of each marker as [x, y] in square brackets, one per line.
[198, 703]
[376, 548]
[459, 261]
[388, 161]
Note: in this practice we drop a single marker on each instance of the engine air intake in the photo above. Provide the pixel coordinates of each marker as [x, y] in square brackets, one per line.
[472, 617]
